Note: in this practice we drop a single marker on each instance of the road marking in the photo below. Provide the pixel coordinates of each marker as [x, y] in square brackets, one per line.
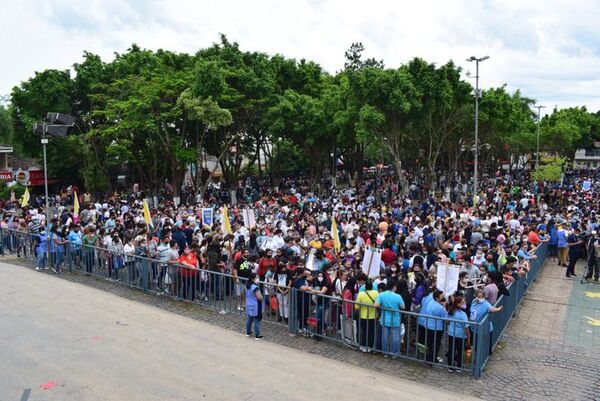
[25, 395]
[49, 385]
[590, 294]
[593, 322]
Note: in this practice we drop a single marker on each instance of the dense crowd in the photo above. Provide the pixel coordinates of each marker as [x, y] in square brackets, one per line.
[291, 250]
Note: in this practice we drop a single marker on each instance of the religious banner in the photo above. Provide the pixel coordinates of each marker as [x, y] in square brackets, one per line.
[447, 278]
[371, 262]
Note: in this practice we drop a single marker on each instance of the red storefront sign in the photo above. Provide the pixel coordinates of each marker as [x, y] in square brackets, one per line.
[6, 175]
[36, 177]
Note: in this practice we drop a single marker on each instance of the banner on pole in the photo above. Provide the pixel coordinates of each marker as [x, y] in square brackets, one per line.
[371, 262]
[207, 217]
[249, 217]
[447, 278]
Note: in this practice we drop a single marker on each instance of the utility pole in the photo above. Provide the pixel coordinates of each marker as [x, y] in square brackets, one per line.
[476, 148]
[59, 125]
[537, 148]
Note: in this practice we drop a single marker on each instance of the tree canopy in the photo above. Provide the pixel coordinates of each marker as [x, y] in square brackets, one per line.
[152, 115]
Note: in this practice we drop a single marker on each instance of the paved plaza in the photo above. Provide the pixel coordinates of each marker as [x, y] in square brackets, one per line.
[66, 341]
[550, 351]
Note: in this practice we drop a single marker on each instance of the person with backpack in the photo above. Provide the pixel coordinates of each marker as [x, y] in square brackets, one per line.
[367, 316]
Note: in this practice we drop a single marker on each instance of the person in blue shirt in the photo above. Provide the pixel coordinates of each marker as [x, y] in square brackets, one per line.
[255, 306]
[479, 310]
[74, 241]
[390, 305]
[41, 249]
[57, 248]
[458, 333]
[422, 320]
[562, 245]
[435, 315]
[552, 243]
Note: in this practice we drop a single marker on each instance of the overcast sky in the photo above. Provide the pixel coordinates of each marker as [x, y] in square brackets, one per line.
[548, 49]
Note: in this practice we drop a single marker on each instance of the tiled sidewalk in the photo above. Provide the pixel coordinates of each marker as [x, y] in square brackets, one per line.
[559, 309]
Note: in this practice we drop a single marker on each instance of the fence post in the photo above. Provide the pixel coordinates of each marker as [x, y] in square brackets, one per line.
[145, 274]
[293, 319]
[69, 256]
[479, 345]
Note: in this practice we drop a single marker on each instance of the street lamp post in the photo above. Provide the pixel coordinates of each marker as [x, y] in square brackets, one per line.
[537, 147]
[44, 143]
[58, 126]
[477, 95]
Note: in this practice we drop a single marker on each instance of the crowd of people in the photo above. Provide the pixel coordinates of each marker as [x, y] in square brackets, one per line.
[292, 251]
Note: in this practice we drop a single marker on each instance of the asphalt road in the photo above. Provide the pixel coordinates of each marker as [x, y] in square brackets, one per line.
[61, 340]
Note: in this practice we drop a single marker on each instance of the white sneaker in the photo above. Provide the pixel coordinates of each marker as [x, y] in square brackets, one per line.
[37, 269]
[363, 349]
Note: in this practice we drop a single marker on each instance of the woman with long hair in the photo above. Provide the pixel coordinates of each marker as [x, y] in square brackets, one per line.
[459, 335]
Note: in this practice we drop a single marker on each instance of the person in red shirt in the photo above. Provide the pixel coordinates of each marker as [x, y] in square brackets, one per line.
[388, 256]
[533, 237]
[188, 273]
[264, 264]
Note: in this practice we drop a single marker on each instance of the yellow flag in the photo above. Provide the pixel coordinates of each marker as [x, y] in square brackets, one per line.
[75, 204]
[225, 221]
[147, 218]
[336, 236]
[592, 321]
[25, 200]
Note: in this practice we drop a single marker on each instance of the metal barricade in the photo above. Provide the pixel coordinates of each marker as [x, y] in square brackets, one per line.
[499, 320]
[393, 333]
[428, 339]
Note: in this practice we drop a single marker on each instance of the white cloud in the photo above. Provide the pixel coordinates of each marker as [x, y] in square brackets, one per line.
[548, 49]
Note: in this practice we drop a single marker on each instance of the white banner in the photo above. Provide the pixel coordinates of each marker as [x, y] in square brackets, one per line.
[371, 262]
[447, 278]
[249, 218]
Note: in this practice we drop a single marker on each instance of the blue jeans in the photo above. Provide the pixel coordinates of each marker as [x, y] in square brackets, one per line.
[256, 321]
[117, 265]
[41, 259]
[390, 333]
[60, 255]
[89, 260]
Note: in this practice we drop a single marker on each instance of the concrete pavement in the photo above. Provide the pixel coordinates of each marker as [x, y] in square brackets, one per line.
[85, 344]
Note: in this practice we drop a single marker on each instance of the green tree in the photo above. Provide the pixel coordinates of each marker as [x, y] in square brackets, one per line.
[6, 126]
[507, 124]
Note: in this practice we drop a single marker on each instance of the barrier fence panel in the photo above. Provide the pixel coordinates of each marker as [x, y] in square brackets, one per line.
[517, 289]
[442, 342]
